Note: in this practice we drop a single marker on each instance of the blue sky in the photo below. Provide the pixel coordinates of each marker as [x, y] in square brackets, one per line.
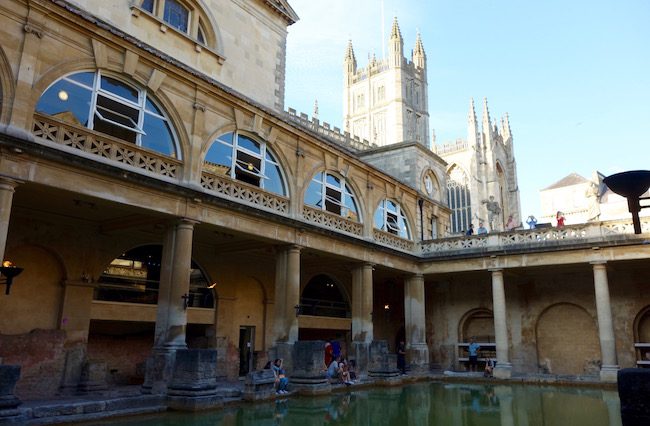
[573, 75]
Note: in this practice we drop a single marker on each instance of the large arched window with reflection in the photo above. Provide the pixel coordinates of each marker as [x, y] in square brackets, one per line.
[322, 297]
[244, 158]
[390, 218]
[331, 193]
[460, 202]
[134, 277]
[108, 105]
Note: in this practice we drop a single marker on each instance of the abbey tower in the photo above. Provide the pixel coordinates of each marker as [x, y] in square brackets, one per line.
[386, 104]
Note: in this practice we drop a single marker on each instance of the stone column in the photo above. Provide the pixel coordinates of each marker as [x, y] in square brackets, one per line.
[503, 369]
[171, 316]
[7, 189]
[362, 326]
[609, 368]
[180, 285]
[293, 293]
[415, 323]
[287, 297]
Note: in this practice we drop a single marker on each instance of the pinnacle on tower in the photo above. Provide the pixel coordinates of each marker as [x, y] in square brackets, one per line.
[505, 127]
[396, 46]
[395, 33]
[349, 52]
[471, 116]
[472, 127]
[419, 57]
[487, 122]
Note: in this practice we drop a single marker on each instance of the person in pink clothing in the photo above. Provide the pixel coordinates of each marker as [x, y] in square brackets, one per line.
[559, 217]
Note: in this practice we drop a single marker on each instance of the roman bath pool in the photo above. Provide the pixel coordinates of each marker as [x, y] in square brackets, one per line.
[417, 404]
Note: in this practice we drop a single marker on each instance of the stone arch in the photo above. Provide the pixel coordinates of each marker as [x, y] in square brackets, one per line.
[324, 295]
[37, 290]
[7, 87]
[567, 340]
[354, 188]
[55, 74]
[285, 170]
[642, 325]
[477, 323]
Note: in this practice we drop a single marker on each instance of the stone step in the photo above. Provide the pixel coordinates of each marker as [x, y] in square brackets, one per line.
[86, 410]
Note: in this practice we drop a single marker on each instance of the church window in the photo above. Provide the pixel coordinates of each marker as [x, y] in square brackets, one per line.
[381, 93]
[459, 200]
[390, 218]
[331, 193]
[245, 159]
[110, 106]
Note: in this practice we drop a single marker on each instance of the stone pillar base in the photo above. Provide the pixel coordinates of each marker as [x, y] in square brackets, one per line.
[158, 372]
[9, 412]
[503, 370]
[418, 356]
[308, 375]
[283, 350]
[360, 354]
[259, 385]
[194, 385]
[609, 373]
[382, 366]
[93, 377]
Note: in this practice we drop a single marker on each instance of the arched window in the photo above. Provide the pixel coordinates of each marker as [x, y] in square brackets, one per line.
[183, 16]
[110, 106]
[323, 297]
[134, 277]
[243, 158]
[389, 217]
[331, 193]
[459, 200]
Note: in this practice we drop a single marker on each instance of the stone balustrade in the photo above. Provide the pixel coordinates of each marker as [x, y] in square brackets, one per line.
[104, 146]
[537, 239]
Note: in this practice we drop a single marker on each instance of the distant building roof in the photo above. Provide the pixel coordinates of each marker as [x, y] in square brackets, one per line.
[570, 180]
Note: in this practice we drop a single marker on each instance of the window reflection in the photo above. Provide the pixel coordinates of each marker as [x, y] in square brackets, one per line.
[389, 217]
[116, 108]
[242, 158]
[331, 193]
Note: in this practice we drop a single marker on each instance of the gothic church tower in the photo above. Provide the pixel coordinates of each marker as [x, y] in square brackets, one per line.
[386, 102]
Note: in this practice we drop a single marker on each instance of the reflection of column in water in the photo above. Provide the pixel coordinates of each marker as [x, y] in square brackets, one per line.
[504, 394]
[385, 406]
[311, 411]
[418, 399]
[613, 407]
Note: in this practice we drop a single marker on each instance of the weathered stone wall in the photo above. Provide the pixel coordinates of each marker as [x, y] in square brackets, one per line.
[41, 355]
[123, 354]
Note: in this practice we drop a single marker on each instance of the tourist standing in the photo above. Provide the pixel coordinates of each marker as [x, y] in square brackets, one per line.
[473, 354]
[531, 221]
[470, 230]
[481, 229]
[559, 217]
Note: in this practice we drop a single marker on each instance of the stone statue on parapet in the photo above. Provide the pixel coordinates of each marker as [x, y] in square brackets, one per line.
[494, 210]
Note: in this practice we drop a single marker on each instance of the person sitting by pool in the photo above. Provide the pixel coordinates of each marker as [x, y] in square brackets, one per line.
[333, 369]
[280, 377]
[344, 373]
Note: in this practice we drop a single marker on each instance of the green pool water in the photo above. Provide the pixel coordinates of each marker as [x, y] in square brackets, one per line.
[417, 404]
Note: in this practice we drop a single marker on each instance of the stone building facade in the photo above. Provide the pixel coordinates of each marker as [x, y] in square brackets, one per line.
[158, 198]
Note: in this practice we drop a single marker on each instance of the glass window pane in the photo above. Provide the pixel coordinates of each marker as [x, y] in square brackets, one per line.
[219, 159]
[85, 78]
[332, 201]
[274, 182]
[333, 180]
[67, 102]
[117, 112]
[158, 136]
[147, 5]
[120, 89]
[226, 138]
[151, 107]
[248, 144]
[313, 195]
[379, 216]
[114, 130]
[391, 207]
[176, 15]
[200, 37]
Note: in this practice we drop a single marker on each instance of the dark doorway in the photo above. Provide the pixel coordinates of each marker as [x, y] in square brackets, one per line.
[246, 349]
